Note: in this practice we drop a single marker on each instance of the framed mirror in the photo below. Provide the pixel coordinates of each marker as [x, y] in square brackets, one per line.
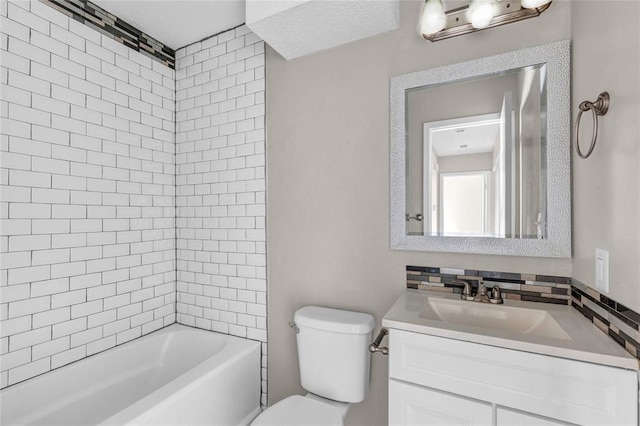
[480, 156]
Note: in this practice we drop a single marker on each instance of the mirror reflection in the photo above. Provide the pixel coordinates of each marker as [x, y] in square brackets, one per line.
[476, 156]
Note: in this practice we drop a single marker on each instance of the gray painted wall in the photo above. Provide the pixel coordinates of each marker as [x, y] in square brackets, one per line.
[328, 173]
[606, 186]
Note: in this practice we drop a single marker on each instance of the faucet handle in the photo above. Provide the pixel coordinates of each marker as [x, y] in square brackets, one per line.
[466, 291]
[496, 295]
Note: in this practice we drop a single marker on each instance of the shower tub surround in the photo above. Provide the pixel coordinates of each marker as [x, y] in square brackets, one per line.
[178, 375]
[88, 192]
[220, 202]
[90, 214]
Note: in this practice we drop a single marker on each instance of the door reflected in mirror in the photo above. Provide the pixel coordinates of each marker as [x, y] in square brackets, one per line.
[465, 200]
[476, 156]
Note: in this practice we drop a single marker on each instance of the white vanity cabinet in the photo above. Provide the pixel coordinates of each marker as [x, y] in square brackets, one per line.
[505, 417]
[441, 381]
[410, 404]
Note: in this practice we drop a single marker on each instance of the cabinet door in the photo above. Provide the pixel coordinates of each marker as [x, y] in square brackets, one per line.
[417, 405]
[506, 417]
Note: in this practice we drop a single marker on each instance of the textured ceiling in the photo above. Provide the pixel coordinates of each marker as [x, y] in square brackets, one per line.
[466, 139]
[301, 27]
[177, 23]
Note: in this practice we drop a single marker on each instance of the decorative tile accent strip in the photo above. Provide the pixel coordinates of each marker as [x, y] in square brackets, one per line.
[526, 287]
[612, 318]
[114, 27]
[616, 320]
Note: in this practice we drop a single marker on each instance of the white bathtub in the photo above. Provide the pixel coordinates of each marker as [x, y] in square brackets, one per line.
[174, 376]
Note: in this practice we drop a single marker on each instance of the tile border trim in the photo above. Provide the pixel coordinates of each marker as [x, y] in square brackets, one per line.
[614, 319]
[525, 287]
[113, 27]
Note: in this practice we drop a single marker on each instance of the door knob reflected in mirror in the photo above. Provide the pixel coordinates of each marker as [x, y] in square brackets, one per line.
[417, 217]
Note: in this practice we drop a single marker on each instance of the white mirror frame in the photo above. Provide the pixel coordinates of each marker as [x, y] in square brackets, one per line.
[558, 167]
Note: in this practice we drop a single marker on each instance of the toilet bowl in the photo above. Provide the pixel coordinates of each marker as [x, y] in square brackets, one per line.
[334, 367]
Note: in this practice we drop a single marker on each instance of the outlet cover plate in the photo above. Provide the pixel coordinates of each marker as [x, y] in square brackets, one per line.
[602, 270]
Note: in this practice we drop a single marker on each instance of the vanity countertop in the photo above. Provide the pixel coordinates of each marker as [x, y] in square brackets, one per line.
[582, 340]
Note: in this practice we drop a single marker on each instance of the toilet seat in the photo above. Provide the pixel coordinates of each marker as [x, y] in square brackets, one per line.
[298, 410]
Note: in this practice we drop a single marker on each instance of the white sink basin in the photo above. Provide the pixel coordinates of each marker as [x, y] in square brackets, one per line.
[494, 317]
[542, 328]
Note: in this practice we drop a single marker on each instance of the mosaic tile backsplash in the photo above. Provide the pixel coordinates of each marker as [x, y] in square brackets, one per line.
[115, 28]
[526, 287]
[612, 318]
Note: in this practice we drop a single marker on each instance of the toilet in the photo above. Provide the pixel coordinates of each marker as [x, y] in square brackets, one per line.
[334, 368]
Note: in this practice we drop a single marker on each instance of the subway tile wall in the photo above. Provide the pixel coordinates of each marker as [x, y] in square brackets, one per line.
[88, 192]
[220, 160]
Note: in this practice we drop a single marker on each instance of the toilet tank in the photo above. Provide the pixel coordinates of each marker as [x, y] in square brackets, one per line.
[333, 352]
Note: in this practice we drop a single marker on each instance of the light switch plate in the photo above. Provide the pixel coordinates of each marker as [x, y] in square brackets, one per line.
[602, 270]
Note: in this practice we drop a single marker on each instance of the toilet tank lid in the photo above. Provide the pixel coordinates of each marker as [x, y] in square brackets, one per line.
[334, 320]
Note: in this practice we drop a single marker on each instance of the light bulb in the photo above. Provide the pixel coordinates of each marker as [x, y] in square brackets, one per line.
[481, 12]
[433, 18]
[534, 4]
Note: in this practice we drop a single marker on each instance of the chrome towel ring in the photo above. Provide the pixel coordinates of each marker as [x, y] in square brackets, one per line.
[599, 107]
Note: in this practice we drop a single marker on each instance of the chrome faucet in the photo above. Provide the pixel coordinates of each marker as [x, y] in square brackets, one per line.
[482, 295]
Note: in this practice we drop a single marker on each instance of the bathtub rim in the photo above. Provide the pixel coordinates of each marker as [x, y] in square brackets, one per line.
[185, 382]
[197, 374]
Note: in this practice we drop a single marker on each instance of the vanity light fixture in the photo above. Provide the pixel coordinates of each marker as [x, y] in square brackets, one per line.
[532, 4]
[437, 24]
[481, 12]
[432, 19]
